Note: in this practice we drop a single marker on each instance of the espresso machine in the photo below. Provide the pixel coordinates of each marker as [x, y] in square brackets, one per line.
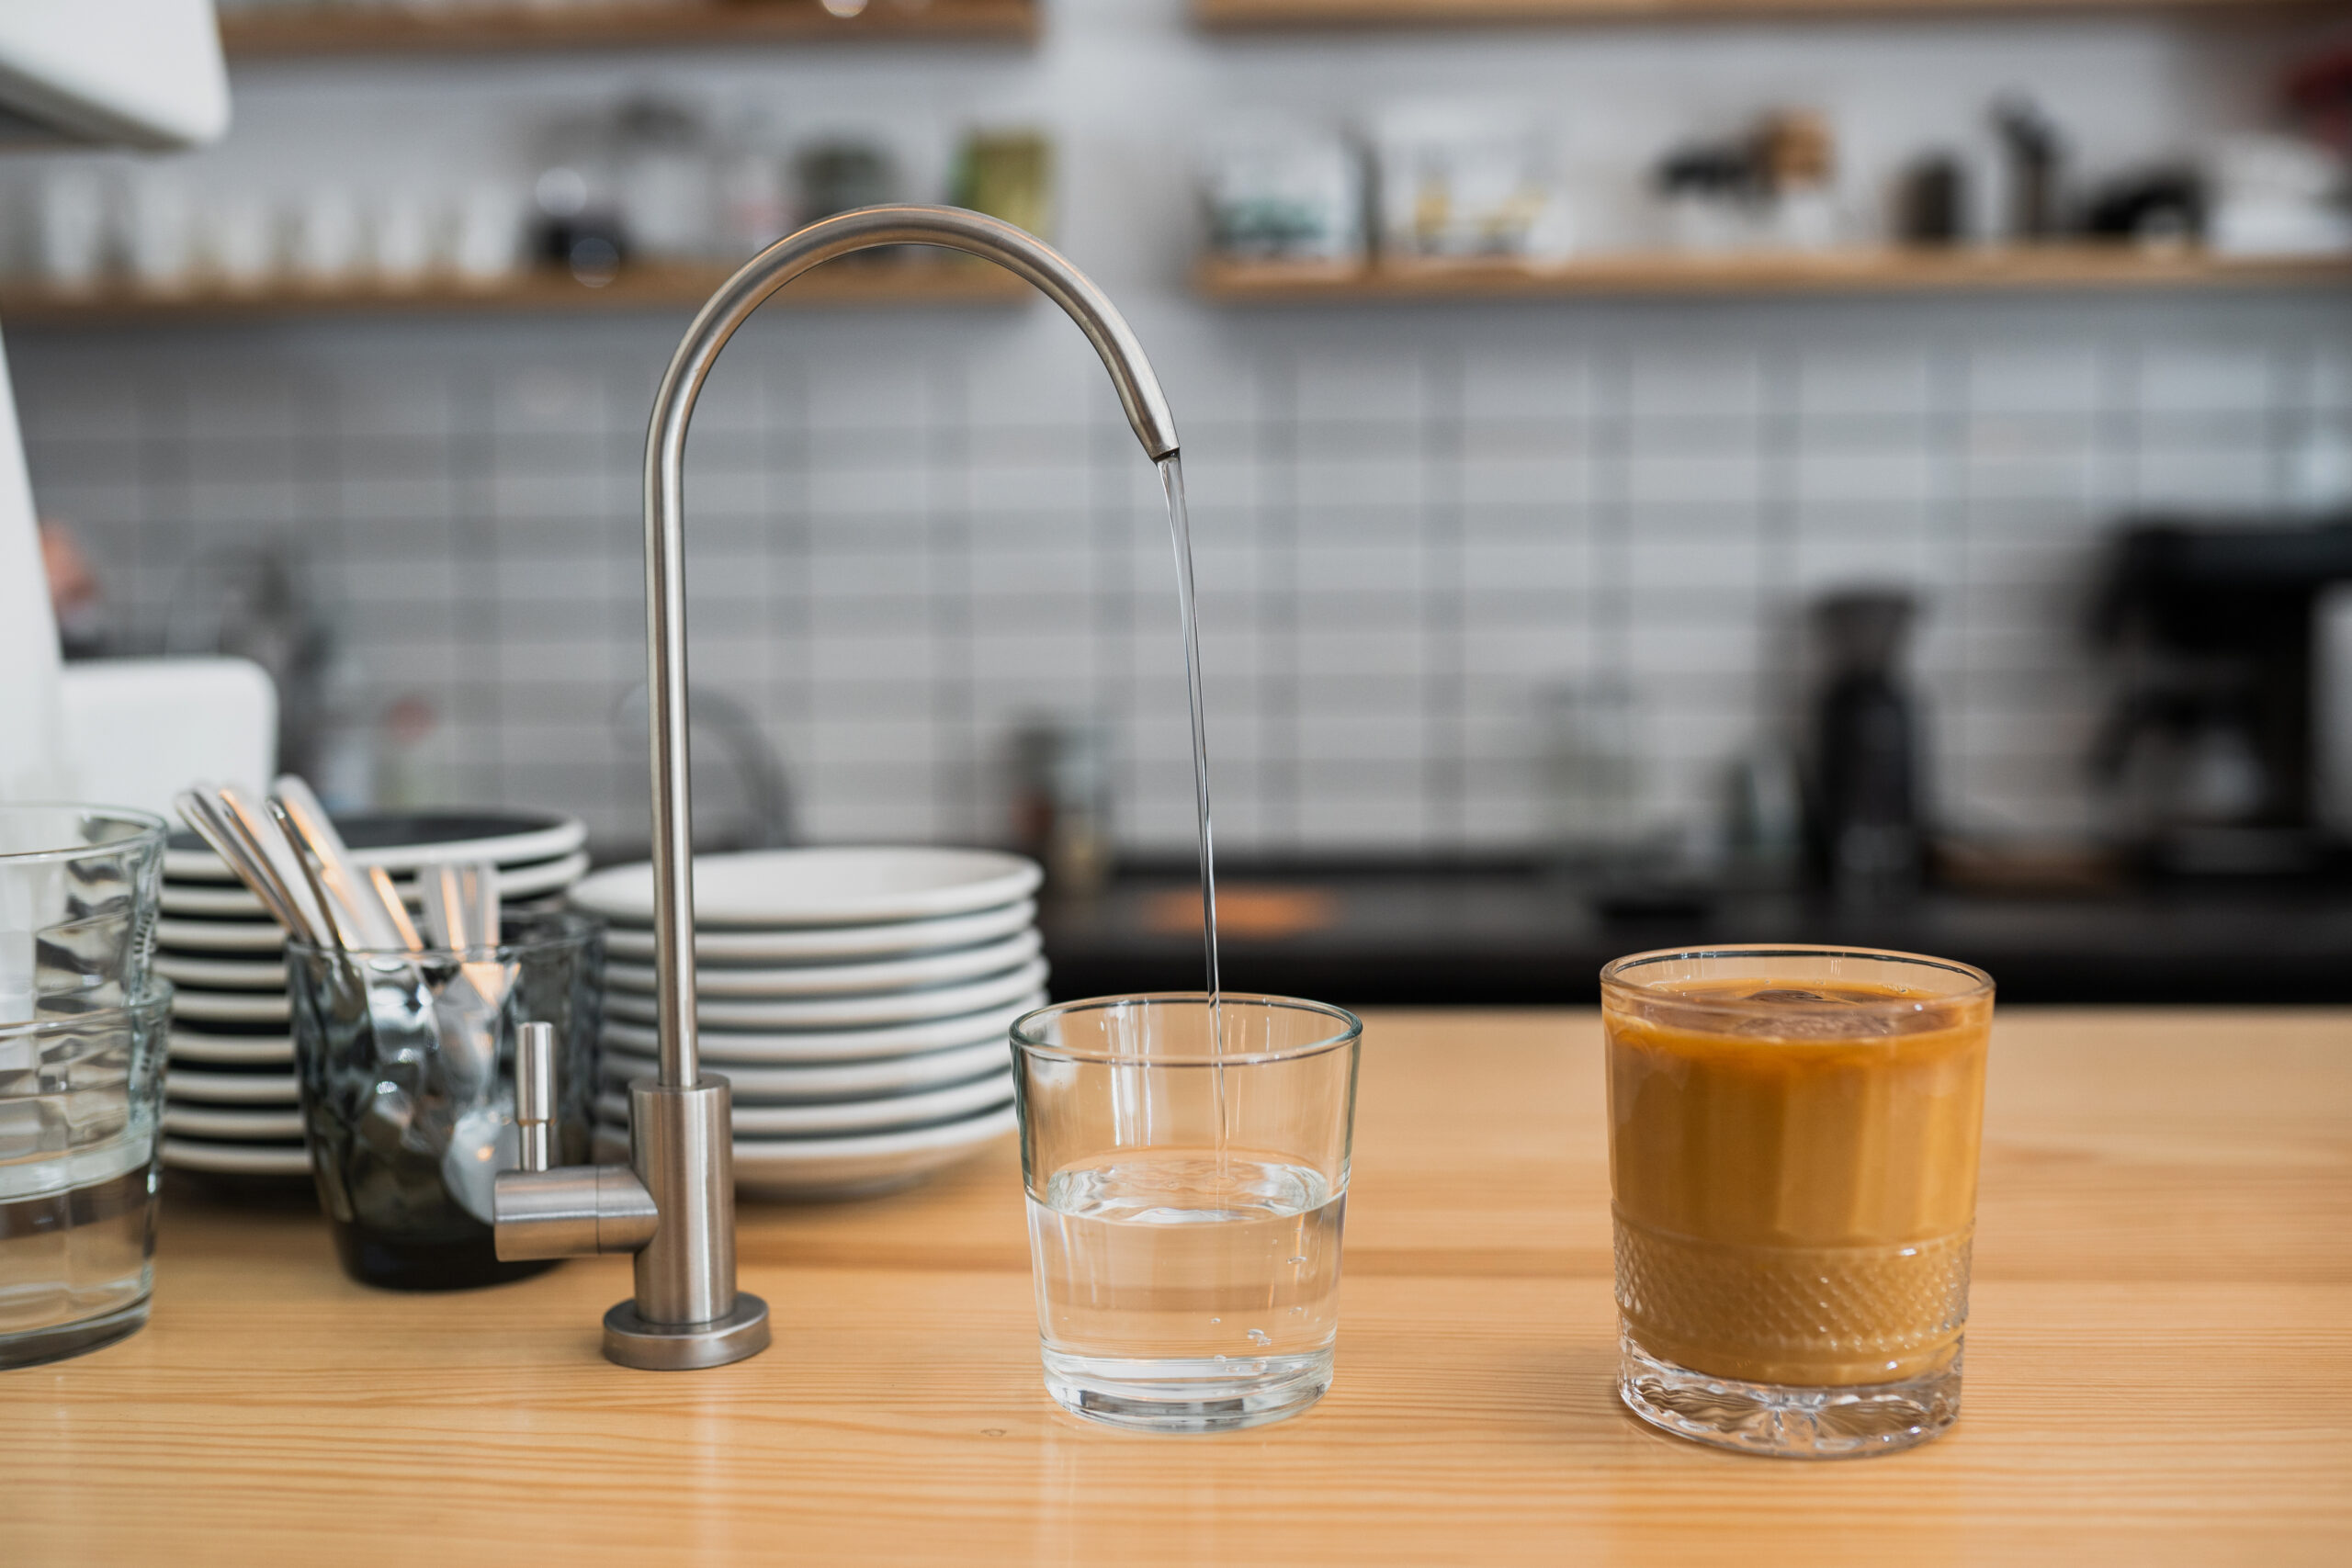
[2228, 751]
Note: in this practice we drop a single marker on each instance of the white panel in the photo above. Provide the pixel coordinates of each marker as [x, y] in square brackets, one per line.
[138, 72]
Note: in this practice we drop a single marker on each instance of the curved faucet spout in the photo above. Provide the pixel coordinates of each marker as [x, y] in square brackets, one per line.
[666, 451]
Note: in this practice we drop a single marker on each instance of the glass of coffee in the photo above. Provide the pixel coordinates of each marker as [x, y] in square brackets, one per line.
[1793, 1147]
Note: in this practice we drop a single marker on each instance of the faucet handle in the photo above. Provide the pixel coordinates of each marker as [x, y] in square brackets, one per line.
[534, 1093]
[539, 1211]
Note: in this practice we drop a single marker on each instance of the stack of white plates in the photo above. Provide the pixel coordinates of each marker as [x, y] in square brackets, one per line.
[229, 1094]
[857, 999]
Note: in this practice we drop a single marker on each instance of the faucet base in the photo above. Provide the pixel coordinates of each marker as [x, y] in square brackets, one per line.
[635, 1341]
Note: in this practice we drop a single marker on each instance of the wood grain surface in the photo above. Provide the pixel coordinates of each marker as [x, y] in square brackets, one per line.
[2159, 1364]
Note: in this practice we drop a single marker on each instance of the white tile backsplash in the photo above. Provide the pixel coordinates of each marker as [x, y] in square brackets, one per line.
[908, 532]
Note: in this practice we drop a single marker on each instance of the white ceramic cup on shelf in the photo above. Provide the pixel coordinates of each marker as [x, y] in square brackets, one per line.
[158, 228]
[72, 222]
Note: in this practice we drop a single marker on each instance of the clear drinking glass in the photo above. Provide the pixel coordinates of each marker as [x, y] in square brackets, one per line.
[80, 1097]
[1185, 1203]
[78, 891]
[1793, 1146]
[406, 1065]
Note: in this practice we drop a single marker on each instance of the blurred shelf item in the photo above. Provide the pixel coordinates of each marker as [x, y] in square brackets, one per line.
[314, 29]
[1872, 271]
[1240, 15]
[640, 286]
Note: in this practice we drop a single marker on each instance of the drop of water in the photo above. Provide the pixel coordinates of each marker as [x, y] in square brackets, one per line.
[1260, 1337]
[1216, 1320]
[1298, 1263]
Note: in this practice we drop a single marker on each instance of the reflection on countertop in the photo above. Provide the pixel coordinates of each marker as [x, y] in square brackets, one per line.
[1505, 934]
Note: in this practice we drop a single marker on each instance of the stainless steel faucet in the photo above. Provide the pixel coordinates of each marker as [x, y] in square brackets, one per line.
[673, 1206]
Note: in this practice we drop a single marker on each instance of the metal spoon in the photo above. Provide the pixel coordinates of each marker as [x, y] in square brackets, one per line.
[308, 823]
[199, 812]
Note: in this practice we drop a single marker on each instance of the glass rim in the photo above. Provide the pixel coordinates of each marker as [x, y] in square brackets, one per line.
[148, 826]
[1613, 972]
[567, 928]
[1351, 1031]
[154, 1000]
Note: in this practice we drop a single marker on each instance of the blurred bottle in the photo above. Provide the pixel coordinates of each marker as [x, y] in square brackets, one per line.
[1866, 828]
[1007, 175]
[2035, 154]
[1061, 802]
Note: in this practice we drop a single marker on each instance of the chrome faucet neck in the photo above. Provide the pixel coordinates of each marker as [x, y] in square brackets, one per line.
[677, 1213]
[949, 227]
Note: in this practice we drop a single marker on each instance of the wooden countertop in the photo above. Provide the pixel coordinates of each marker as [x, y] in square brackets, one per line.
[2159, 1369]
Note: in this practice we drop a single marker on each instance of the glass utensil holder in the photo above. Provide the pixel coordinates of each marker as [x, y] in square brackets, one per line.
[406, 1066]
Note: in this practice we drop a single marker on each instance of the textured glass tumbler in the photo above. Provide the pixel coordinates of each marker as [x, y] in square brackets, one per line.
[1793, 1147]
[80, 1096]
[406, 1065]
[1187, 1182]
[78, 891]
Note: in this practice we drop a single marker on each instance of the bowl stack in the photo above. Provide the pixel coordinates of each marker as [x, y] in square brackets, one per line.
[857, 999]
[229, 1091]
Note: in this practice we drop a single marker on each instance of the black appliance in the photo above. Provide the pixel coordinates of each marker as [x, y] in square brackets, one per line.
[2214, 755]
[1865, 795]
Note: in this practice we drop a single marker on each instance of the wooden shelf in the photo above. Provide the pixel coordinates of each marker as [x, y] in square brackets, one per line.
[316, 30]
[1269, 16]
[646, 287]
[1756, 273]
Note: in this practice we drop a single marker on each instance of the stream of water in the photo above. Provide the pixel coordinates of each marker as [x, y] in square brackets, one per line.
[1180, 532]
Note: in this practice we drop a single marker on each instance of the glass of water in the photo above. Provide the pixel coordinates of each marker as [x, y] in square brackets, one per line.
[78, 890]
[80, 1095]
[1186, 1163]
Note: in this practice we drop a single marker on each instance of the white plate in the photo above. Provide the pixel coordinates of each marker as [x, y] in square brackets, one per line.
[257, 975]
[518, 881]
[403, 841]
[231, 1007]
[766, 888]
[851, 1166]
[722, 1047]
[828, 945]
[840, 979]
[190, 1045]
[207, 1122]
[231, 1089]
[221, 936]
[238, 1159]
[838, 1080]
[846, 1013]
[918, 1109]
